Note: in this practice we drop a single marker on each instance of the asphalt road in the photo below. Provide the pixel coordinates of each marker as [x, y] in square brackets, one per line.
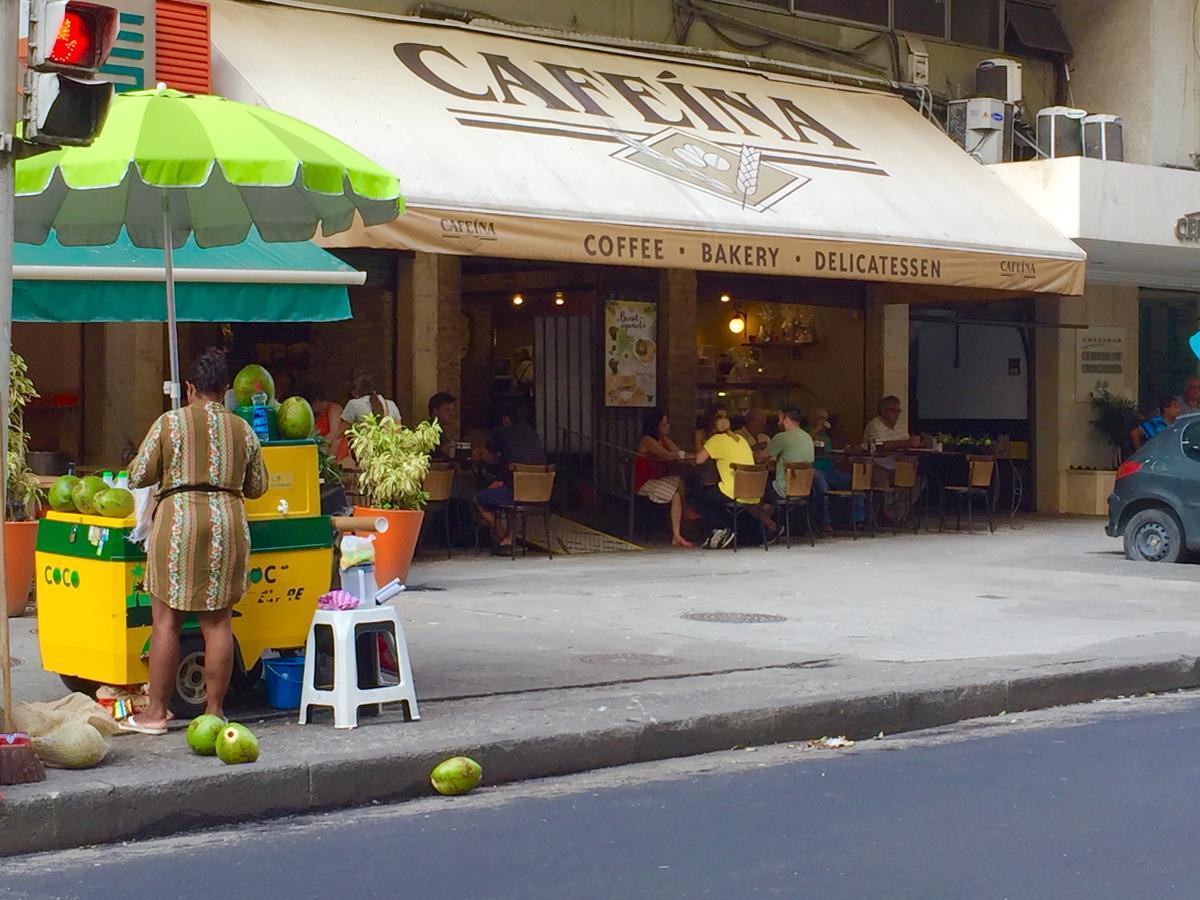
[1096, 801]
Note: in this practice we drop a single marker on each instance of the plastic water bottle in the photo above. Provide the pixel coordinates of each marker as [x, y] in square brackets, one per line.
[259, 417]
[108, 479]
[123, 480]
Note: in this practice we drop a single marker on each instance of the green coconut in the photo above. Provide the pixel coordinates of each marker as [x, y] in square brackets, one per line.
[236, 744]
[115, 503]
[83, 495]
[296, 419]
[253, 379]
[202, 734]
[457, 775]
[60, 493]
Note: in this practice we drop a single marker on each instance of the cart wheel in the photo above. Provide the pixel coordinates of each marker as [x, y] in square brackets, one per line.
[190, 694]
[246, 679]
[80, 685]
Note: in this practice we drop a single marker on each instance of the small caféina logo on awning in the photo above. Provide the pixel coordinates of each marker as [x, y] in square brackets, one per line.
[1187, 228]
[1026, 268]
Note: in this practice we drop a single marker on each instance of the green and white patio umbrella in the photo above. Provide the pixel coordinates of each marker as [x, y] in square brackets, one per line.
[167, 165]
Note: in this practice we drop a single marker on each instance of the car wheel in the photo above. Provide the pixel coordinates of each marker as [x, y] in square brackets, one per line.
[1153, 535]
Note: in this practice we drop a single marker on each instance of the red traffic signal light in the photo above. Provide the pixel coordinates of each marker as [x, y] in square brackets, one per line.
[69, 40]
[70, 35]
[74, 42]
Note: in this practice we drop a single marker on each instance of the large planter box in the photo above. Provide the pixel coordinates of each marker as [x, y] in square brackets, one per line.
[1085, 493]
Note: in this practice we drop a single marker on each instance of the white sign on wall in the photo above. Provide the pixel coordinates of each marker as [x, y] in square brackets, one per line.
[1100, 362]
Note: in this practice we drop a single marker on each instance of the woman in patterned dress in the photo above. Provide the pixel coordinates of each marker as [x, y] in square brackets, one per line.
[205, 460]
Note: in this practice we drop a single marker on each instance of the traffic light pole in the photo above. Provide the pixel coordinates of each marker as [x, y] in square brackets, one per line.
[10, 30]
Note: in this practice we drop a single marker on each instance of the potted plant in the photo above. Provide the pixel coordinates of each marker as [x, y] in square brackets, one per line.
[1115, 418]
[1087, 487]
[392, 463]
[23, 492]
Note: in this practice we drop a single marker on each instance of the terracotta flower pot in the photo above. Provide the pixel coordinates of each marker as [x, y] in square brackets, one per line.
[394, 548]
[20, 540]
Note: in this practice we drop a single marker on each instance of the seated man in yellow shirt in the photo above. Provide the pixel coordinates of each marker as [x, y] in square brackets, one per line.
[726, 449]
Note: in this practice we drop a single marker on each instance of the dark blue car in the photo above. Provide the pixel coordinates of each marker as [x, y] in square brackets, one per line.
[1155, 505]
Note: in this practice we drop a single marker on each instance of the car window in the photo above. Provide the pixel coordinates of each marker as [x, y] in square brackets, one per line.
[1190, 440]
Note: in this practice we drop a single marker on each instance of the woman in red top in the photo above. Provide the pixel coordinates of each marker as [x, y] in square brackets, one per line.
[330, 426]
[652, 476]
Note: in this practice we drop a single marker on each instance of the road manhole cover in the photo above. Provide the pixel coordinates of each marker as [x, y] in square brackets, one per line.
[734, 618]
[642, 659]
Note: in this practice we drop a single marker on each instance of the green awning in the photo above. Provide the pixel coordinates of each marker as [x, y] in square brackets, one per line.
[254, 281]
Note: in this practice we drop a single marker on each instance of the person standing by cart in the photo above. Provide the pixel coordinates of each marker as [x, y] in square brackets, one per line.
[206, 461]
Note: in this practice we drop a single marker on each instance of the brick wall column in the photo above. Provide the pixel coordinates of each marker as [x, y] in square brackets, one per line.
[677, 350]
[123, 389]
[429, 330]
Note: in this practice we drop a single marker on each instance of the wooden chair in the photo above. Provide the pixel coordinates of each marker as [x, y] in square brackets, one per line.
[862, 473]
[629, 461]
[981, 473]
[533, 486]
[438, 483]
[905, 485]
[748, 482]
[798, 485]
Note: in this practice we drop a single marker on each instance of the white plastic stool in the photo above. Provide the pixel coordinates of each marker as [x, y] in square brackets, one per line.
[346, 696]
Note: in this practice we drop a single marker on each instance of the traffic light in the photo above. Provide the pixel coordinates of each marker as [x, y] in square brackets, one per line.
[69, 40]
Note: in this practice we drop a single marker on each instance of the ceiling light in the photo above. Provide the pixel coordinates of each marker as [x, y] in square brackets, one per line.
[518, 299]
[559, 299]
[725, 298]
[737, 324]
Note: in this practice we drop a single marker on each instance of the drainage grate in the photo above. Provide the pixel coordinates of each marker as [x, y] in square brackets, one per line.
[734, 618]
[643, 659]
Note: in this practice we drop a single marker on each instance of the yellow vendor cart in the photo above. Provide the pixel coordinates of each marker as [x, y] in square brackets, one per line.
[94, 613]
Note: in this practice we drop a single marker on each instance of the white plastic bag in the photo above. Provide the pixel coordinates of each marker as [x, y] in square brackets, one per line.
[143, 508]
[357, 551]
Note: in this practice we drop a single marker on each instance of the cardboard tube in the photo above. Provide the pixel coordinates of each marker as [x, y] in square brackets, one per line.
[360, 523]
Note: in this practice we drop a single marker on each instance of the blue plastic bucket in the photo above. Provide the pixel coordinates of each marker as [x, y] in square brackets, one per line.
[285, 680]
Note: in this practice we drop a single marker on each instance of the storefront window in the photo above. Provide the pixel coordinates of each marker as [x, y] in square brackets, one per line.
[873, 12]
[923, 16]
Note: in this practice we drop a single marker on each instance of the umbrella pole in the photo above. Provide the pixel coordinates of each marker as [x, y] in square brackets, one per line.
[9, 24]
[175, 388]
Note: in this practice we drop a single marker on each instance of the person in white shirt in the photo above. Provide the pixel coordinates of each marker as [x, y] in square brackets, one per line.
[888, 435]
[367, 401]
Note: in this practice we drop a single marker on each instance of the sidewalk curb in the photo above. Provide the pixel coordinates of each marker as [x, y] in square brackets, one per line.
[101, 813]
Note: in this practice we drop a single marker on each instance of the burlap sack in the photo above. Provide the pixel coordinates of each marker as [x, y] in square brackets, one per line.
[72, 733]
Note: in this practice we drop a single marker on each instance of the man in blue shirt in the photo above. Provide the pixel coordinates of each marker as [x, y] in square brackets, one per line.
[1169, 409]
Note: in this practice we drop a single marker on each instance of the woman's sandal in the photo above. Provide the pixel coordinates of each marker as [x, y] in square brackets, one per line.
[133, 726]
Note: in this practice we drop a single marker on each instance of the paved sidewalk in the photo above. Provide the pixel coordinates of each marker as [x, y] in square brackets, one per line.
[543, 667]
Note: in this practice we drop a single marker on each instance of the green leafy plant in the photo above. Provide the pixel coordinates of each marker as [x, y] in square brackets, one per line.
[23, 491]
[393, 460]
[1115, 417]
[328, 468]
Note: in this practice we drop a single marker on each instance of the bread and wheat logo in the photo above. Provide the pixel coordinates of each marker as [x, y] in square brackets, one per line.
[735, 174]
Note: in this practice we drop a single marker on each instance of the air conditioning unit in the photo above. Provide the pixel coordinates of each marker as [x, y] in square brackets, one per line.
[999, 78]
[1104, 137]
[1060, 131]
[983, 127]
[917, 61]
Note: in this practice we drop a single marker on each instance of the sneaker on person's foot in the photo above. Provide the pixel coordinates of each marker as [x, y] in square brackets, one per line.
[727, 537]
[709, 542]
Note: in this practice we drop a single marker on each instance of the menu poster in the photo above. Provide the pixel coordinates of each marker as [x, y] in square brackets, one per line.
[630, 353]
